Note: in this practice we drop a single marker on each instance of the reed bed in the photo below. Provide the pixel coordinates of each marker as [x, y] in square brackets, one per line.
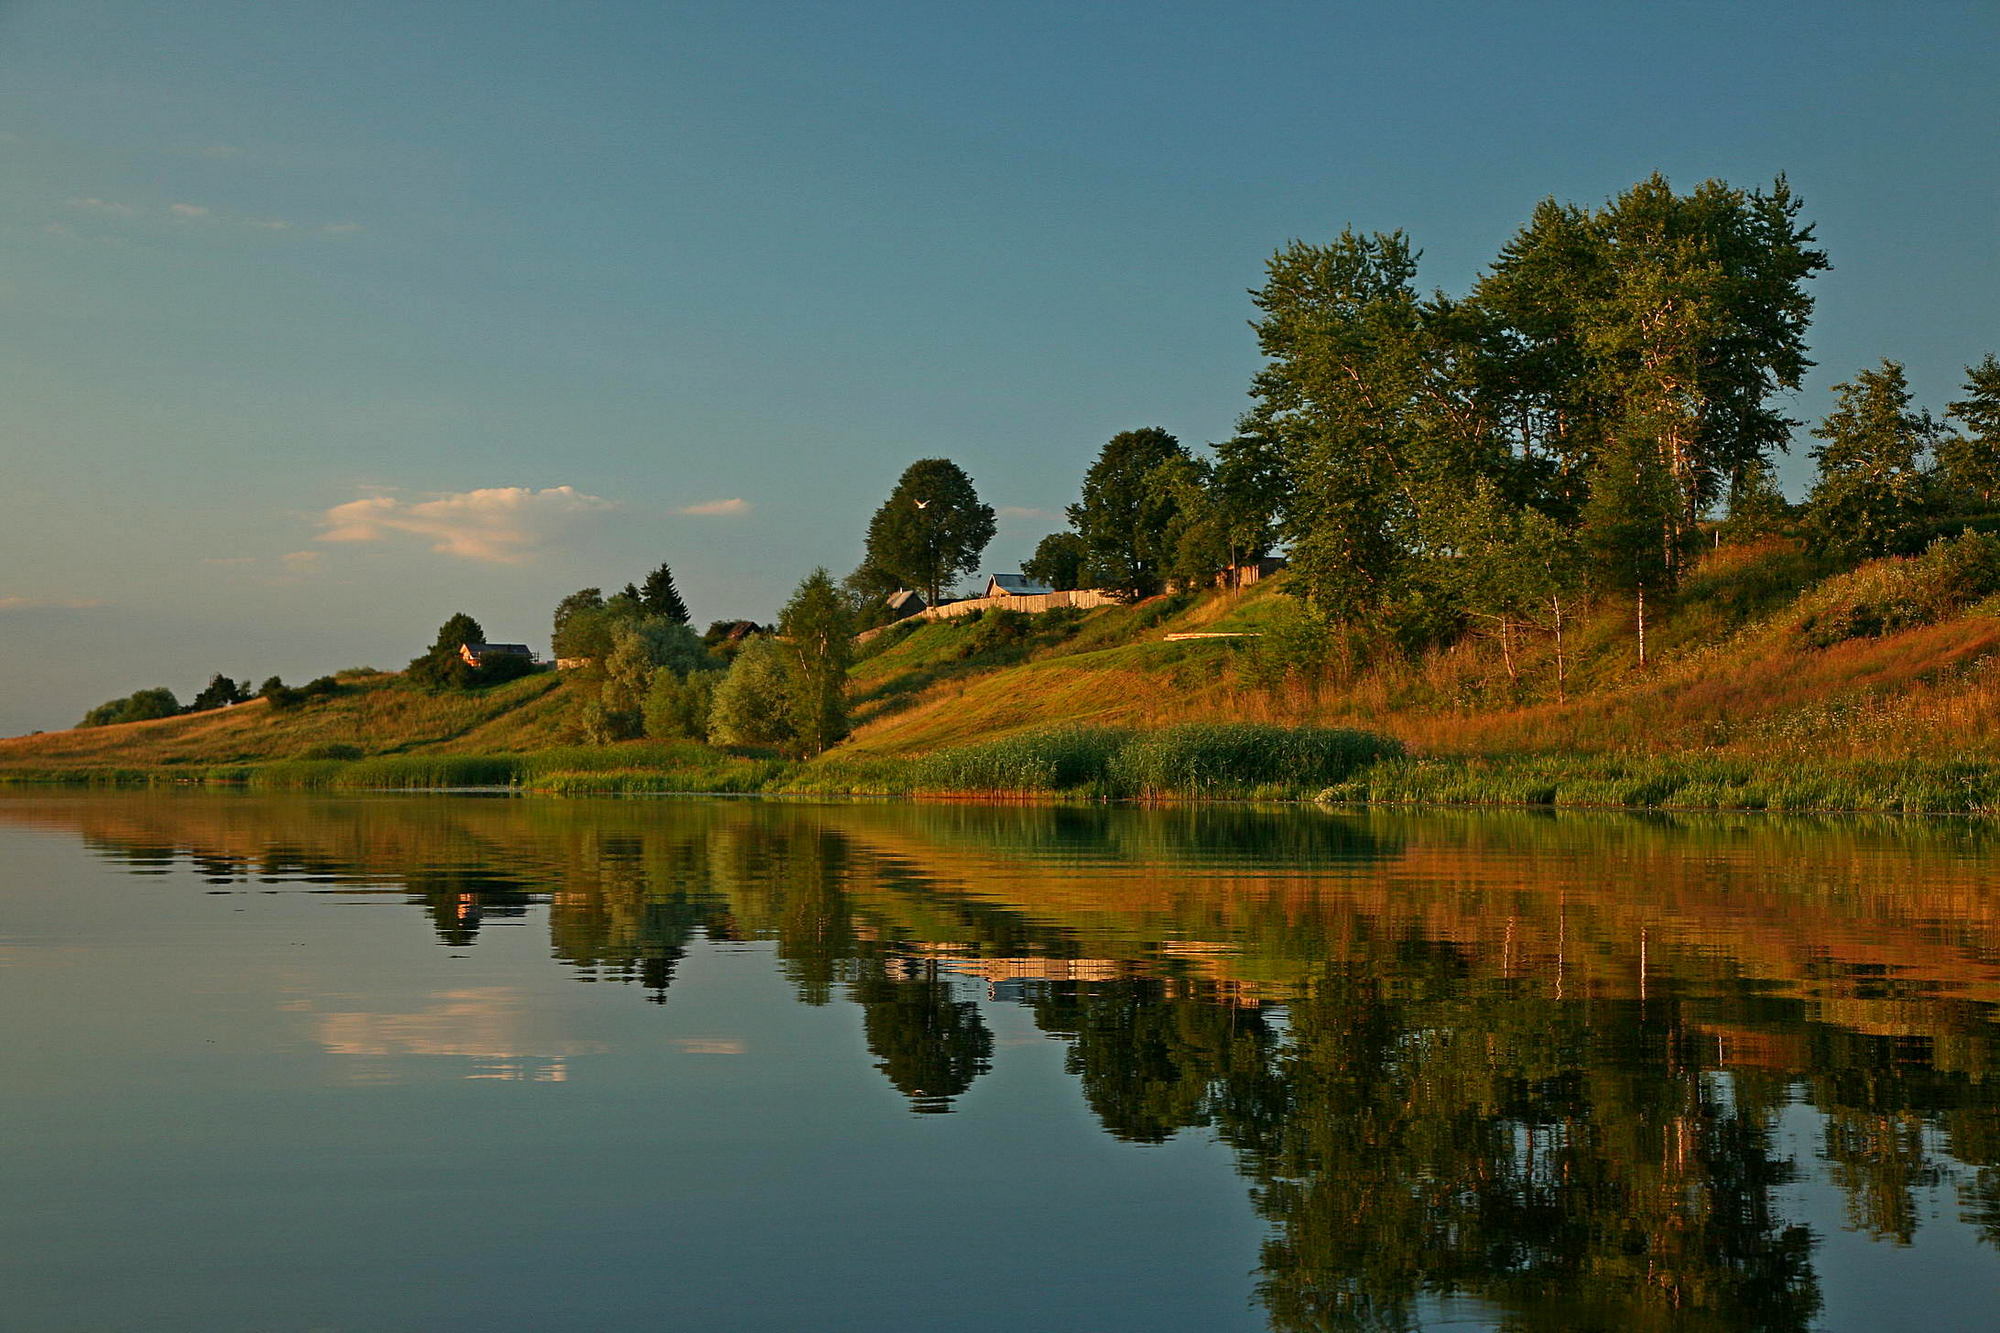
[1694, 782]
[1240, 759]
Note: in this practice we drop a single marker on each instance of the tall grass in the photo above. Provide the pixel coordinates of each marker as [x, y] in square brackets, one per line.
[1680, 782]
[1193, 759]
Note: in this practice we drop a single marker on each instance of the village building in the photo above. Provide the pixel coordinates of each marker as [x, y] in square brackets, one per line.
[903, 602]
[1015, 585]
[479, 654]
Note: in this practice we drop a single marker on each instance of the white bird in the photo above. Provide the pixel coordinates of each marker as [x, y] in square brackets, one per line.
[923, 504]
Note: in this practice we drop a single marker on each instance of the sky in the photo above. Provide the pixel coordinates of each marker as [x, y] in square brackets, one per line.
[324, 322]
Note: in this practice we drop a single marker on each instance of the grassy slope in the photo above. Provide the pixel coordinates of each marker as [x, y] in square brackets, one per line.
[1732, 674]
[1738, 680]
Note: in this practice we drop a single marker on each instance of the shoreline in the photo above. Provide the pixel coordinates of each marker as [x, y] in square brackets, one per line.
[1667, 784]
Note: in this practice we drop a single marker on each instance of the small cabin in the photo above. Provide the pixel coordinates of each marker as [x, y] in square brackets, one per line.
[479, 654]
[904, 603]
[1015, 585]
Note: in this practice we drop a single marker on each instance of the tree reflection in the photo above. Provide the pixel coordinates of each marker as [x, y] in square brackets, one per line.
[1452, 1058]
[930, 1045]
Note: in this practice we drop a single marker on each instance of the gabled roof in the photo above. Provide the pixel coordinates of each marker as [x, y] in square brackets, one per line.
[510, 649]
[1019, 585]
[904, 597]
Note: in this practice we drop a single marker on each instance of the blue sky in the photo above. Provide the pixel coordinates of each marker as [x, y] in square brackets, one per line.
[327, 321]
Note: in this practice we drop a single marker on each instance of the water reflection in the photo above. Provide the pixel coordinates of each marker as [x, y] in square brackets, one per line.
[1541, 1063]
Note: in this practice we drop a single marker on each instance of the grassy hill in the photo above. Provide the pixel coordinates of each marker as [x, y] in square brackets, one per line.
[1770, 683]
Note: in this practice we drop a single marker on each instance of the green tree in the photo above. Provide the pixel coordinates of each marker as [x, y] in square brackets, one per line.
[139, 706]
[1367, 405]
[220, 692]
[659, 597]
[752, 702]
[1638, 348]
[442, 666]
[1123, 517]
[816, 628]
[930, 530]
[640, 648]
[1969, 462]
[1057, 561]
[1874, 491]
[1757, 507]
[580, 629]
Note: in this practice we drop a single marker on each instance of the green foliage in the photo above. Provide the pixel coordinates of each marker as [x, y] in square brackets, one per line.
[443, 666]
[1058, 561]
[752, 703]
[1199, 758]
[620, 686]
[930, 530]
[1125, 517]
[139, 706]
[580, 629]
[220, 692]
[1063, 759]
[1891, 595]
[659, 597]
[1874, 493]
[816, 631]
[678, 705]
[1194, 759]
[1969, 463]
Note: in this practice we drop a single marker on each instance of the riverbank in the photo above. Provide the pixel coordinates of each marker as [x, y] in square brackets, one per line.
[1174, 765]
[1771, 683]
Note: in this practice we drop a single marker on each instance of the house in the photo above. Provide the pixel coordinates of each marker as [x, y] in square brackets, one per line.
[479, 654]
[904, 602]
[1015, 585]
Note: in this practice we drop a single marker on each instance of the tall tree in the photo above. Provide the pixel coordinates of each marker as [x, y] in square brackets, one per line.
[1646, 340]
[930, 530]
[817, 631]
[578, 629]
[1366, 400]
[1123, 517]
[1057, 561]
[1970, 461]
[1873, 492]
[660, 597]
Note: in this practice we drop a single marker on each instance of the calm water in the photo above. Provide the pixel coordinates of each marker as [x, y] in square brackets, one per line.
[326, 1063]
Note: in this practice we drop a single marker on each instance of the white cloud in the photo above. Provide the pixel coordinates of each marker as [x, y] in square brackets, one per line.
[187, 210]
[105, 206]
[716, 508]
[49, 603]
[501, 524]
[1019, 511]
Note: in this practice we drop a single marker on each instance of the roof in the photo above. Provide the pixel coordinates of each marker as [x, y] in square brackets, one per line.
[1020, 585]
[510, 649]
[904, 597]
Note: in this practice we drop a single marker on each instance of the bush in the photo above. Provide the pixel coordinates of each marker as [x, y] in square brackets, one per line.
[333, 751]
[1889, 595]
[140, 706]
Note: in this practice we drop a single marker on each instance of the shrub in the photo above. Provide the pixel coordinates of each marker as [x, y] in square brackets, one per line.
[332, 751]
[1886, 596]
